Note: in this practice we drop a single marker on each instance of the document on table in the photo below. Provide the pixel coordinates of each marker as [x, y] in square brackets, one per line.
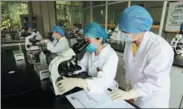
[84, 99]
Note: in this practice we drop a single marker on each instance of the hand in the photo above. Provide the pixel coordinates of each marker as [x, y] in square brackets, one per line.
[50, 46]
[124, 95]
[67, 84]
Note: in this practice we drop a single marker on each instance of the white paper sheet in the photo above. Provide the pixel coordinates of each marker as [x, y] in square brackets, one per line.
[84, 99]
[115, 104]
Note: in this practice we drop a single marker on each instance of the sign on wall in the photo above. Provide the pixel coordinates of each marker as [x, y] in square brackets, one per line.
[175, 17]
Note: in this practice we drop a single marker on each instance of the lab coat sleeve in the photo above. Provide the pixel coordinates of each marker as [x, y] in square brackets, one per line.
[50, 46]
[105, 77]
[156, 73]
[59, 47]
[38, 36]
[84, 62]
[27, 42]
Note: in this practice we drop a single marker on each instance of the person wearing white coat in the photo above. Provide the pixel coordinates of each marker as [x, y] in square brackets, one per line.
[100, 61]
[148, 60]
[33, 34]
[60, 43]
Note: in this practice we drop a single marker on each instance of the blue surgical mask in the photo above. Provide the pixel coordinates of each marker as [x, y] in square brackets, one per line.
[126, 37]
[91, 47]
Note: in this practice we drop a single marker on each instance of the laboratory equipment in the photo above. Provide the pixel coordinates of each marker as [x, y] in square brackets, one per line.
[19, 59]
[32, 46]
[78, 30]
[69, 33]
[66, 64]
[177, 44]
[31, 57]
[42, 70]
[42, 56]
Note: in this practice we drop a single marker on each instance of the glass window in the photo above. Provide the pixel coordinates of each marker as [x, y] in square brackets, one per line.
[11, 12]
[63, 2]
[155, 10]
[86, 4]
[76, 15]
[76, 3]
[111, 1]
[63, 15]
[114, 12]
[99, 15]
[98, 2]
[68, 13]
[86, 16]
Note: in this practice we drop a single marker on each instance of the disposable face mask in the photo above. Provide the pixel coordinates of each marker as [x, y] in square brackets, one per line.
[91, 47]
[126, 37]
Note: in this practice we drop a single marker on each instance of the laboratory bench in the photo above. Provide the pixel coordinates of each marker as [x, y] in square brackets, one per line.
[23, 88]
[12, 45]
[13, 41]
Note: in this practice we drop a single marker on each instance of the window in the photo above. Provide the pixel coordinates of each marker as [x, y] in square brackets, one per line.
[86, 16]
[68, 13]
[114, 12]
[11, 12]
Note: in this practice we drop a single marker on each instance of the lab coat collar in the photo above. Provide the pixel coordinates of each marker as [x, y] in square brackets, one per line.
[62, 38]
[142, 47]
[102, 55]
[104, 51]
[143, 44]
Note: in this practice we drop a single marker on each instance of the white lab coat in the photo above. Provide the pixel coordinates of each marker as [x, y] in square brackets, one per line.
[107, 62]
[116, 35]
[148, 71]
[58, 46]
[38, 36]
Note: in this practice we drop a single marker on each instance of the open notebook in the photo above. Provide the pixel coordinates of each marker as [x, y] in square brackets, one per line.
[84, 99]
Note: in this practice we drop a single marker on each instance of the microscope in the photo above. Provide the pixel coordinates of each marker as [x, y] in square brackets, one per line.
[65, 65]
[77, 29]
[32, 46]
[177, 43]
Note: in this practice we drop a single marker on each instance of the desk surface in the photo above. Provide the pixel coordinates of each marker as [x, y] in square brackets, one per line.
[23, 89]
